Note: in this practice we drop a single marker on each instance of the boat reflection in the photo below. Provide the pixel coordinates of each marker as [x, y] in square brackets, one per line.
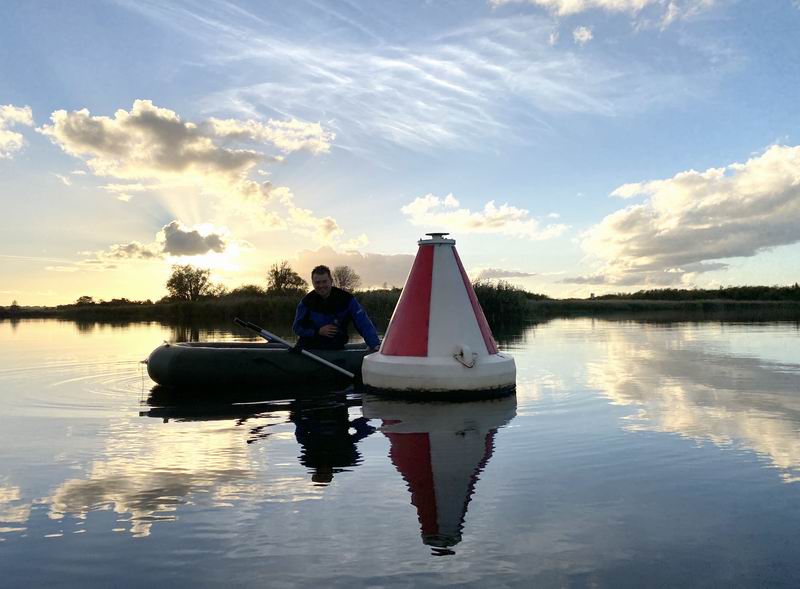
[440, 449]
[321, 418]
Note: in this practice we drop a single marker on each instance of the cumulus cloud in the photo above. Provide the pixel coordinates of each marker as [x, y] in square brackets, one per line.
[691, 223]
[153, 143]
[375, 269]
[287, 136]
[582, 35]
[284, 214]
[11, 141]
[174, 239]
[499, 273]
[179, 241]
[432, 211]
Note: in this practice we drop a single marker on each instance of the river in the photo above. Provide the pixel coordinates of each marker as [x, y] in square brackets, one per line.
[633, 454]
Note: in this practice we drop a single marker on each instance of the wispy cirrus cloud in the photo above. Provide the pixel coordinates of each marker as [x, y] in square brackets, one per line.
[494, 77]
[11, 141]
[691, 223]
[662, 11]
[433, 211]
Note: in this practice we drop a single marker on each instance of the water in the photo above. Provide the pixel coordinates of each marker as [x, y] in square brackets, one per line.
[633, 455]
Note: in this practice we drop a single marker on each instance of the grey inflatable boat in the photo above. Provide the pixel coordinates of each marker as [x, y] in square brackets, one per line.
[226, 364]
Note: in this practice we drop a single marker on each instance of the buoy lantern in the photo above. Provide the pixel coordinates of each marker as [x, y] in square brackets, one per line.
[438, 339]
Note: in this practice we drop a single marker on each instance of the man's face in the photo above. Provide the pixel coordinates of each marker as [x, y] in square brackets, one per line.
[322, 284]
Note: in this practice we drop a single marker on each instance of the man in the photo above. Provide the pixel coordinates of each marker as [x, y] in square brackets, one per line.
[324, 314]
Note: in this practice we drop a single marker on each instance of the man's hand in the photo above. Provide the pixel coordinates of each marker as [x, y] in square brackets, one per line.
[329, 330]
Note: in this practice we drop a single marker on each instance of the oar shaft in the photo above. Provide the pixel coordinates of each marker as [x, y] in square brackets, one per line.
[272, 337]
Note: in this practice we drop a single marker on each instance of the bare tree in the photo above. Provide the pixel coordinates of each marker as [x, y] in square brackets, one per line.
[346, 278]
[281, 279]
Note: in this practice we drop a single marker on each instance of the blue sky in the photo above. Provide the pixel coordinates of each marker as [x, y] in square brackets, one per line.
[570, 146]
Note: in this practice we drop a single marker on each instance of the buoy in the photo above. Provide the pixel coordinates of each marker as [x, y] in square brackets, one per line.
[440, 450]
[438, 340]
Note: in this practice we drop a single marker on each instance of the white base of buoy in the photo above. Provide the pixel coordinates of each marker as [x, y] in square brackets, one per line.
[438, 374]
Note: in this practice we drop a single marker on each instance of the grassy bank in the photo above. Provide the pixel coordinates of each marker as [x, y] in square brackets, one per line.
[502, 304]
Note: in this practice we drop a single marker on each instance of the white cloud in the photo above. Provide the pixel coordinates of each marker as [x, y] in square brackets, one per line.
[288, 136]
[153, 143]
[667, 10]
[461, 88]
[11, 141]
[582, 35]
[66, 180]
[432, 211]
[694, 221]
[124, 192]
[500, 273]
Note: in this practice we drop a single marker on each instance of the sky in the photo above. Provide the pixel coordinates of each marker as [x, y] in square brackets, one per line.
[569, 146]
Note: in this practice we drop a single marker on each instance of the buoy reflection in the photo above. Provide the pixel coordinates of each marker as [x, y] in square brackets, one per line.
[440, 450]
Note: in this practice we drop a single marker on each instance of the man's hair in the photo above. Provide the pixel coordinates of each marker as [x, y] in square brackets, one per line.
[321, 269]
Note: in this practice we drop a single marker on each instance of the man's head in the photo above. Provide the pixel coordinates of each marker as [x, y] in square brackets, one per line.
[322, 281]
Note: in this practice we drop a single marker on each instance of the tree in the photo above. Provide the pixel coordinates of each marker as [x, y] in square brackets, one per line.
[281, 279]
[85, 300]
[248, 290]
[187, 283]
[346, 278]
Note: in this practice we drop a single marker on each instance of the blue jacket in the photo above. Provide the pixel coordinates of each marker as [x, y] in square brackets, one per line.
[339, 309]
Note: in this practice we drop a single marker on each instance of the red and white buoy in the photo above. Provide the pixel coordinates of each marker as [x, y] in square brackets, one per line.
[440, 450]
[438, 339]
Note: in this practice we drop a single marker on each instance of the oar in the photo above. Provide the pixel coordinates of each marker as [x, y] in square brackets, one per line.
[272, 337]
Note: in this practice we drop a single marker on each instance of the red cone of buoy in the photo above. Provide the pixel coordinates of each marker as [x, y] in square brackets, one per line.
[438, 339]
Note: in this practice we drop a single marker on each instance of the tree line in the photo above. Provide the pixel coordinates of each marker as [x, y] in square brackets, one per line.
[188, 283]
[733, 293]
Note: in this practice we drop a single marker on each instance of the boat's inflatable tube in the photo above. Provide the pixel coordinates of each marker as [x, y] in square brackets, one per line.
[221, 364]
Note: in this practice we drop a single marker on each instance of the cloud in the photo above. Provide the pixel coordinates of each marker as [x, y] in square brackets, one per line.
[189, 242]
[493, 79]
[432, 211]
[153, 143]
[375, 269]
[667, 11]
[493, 273]
[10, 141]
[691, 223]
[582, 35]
[284, 214]
[288, 136]
[123, 191]
[174, 239]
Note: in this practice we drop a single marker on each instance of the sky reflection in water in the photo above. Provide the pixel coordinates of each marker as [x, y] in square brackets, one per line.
[632, 453]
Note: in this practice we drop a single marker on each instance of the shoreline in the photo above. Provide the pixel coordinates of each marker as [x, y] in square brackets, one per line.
[279, 308]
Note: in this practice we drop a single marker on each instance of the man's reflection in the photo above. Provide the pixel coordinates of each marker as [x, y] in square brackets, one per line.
[328, 436]
[440, 449]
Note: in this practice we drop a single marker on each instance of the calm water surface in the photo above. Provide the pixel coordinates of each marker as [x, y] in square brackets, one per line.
[633, 455]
